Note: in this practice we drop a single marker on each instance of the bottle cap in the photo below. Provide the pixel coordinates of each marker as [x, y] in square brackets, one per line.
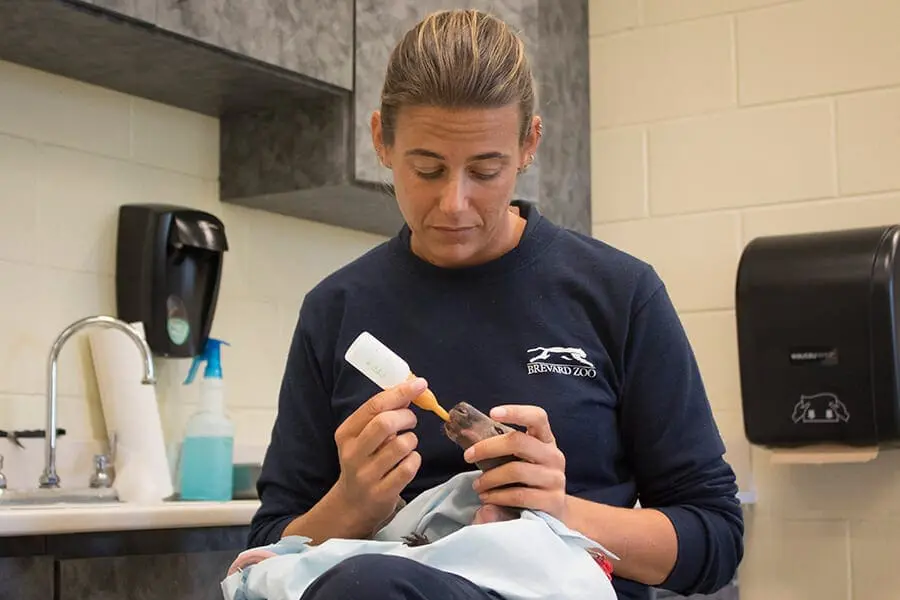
[212, 356]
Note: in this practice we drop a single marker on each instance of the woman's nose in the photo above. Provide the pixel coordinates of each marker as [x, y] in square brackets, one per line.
[454, 198]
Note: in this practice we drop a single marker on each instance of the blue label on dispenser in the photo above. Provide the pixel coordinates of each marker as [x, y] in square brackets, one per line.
[177, 325]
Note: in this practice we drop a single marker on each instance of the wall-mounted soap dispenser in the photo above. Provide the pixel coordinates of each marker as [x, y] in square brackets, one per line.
[168, 269]
[818, 327]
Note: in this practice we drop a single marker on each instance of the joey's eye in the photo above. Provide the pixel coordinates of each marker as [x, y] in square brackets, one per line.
[498, 430]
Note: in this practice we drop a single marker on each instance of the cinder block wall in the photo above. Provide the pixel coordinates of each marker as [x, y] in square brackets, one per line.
[716, 121]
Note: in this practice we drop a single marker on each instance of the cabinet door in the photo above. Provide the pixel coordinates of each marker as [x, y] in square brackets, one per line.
[26, 577]
[193, 576]
[144, 10]
[311, 37]
[379, 26]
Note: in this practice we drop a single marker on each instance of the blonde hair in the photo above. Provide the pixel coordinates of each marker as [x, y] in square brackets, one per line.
[458, 59]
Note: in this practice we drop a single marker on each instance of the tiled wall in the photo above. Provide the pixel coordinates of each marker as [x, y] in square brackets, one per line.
[715, 121]
[70, 154]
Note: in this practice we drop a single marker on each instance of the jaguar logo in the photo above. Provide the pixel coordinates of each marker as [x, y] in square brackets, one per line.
[561, 360]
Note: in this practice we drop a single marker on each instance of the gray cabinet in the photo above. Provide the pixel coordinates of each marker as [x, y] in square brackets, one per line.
[310, 37]
[144, 10]
[195, 576]
[26, 577]
[161, 564]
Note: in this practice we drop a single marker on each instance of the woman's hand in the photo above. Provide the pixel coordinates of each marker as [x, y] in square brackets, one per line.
[538, 480]
[377, 454]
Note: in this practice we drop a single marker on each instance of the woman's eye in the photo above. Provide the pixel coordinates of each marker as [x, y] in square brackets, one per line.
[430, 174]
[437, 173]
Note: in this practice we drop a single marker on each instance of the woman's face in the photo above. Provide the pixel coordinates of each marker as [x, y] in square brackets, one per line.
[454, 175]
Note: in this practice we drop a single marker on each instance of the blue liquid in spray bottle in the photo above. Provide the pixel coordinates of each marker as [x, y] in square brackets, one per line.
[207, 452]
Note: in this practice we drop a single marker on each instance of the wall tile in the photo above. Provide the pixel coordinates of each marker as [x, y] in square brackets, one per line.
[738, 452]
[700, 274]
[873, 552]
[18, 209]
[821, 216]
[607, 16]
[61, 111]
[252, 425]
[666, 11]
[82, 420]
[23, 353]
[78, 195]
[85, 294]
[809, 492]
[175, 139]
[817, 47]
[742, 158]
[661, 72]
[287, 254]
[618, 175]
[868, 134]
[714, 340]
[255, 349]
[794, 560]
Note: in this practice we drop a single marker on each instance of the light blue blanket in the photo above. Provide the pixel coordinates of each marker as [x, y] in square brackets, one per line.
[534, 556]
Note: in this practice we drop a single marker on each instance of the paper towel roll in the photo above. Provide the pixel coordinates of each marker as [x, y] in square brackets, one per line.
[131, 414]
[822, 454]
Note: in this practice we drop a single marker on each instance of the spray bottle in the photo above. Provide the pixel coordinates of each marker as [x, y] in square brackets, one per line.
[207, 451]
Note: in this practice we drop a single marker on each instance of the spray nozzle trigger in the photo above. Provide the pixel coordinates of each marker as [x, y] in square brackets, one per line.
[212, 356]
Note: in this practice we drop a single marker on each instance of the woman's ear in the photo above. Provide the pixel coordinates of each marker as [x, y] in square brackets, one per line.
[377, 139]
[532, 141]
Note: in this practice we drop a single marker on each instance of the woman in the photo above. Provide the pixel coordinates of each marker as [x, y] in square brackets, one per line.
[559, 333]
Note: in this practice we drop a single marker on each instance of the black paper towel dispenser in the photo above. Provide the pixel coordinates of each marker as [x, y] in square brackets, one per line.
[168, 270]
[818, 336]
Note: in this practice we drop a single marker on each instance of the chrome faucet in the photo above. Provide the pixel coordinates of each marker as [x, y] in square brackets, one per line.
[50, 478]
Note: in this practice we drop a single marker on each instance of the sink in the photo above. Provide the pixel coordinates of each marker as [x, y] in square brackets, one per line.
[57, 497]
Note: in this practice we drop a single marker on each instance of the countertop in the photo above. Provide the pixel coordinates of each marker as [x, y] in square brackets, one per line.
[72, 518]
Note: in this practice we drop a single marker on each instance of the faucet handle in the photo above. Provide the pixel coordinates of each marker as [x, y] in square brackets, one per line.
[101, 477]
[2, 476]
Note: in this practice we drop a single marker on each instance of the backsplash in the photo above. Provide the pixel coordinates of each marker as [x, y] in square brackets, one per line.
[71, 154]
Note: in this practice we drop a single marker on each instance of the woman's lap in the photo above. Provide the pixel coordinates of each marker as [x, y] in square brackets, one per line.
[385, 577]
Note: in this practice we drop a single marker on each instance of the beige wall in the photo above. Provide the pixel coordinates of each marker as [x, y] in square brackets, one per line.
[715, 121]
[70, 154]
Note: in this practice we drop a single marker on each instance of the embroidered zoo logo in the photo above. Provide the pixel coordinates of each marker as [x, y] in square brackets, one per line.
[560, 360]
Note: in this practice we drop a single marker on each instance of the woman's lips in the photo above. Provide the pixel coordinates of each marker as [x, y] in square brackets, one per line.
[455, 234]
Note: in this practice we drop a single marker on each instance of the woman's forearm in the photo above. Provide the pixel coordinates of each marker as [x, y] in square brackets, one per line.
[330, 518]
[644, 539]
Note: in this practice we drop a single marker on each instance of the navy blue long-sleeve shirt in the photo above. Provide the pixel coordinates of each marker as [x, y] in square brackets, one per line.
[563, 321]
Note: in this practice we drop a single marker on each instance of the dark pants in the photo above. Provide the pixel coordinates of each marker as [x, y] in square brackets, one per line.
[384, 577]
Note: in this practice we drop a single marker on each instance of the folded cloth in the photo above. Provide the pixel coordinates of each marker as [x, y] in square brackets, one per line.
[533, 556]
